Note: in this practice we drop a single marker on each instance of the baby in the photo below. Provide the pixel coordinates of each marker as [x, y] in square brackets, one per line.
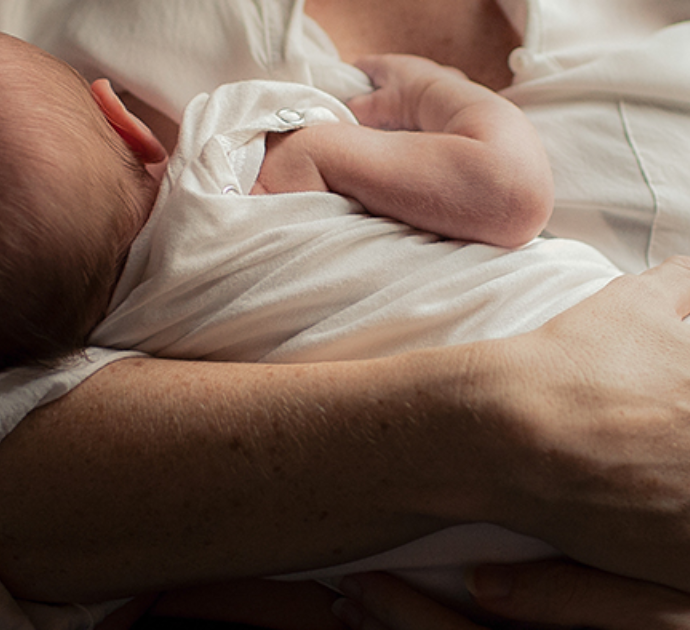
[78, 184]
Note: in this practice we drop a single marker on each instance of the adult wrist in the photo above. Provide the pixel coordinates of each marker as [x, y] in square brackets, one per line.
[475, 434]
[507, 388]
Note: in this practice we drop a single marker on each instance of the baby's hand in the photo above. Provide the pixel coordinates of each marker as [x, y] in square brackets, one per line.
[289, 164]
[400, 82]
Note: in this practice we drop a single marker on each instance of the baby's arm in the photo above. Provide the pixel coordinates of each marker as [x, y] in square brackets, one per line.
[480, 173]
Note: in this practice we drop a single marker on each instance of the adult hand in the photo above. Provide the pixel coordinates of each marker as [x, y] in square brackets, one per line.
[607, 403]
[378, 601]
[572, 595]
[544, 594]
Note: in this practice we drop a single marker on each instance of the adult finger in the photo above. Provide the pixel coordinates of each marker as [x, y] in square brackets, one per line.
[382, 601]
[572, 595]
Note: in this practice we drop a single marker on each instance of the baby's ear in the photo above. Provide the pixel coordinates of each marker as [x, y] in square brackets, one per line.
[134, 132]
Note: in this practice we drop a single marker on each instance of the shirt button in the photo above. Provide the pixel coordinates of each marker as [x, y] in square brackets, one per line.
[229, 190]
[290, 116]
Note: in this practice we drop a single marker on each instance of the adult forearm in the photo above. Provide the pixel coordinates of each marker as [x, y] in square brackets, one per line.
[154, 474]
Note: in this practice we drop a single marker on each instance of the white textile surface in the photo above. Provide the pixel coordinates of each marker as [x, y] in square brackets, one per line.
[312, 276]
[604, 82]
[607, 85]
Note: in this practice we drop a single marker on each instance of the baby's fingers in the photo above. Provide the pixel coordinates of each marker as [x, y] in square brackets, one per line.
[371, 110]
[375, 67]
[380, 108]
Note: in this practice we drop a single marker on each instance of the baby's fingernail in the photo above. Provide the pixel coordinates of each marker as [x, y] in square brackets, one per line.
[490, 582]
[348, 613]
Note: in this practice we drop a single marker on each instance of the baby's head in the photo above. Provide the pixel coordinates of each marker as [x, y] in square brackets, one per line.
[73, 195]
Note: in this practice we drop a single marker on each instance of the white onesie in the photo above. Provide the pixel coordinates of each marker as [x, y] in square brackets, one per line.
[220, 275]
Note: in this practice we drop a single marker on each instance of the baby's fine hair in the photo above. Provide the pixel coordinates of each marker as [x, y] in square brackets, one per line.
[69, 200]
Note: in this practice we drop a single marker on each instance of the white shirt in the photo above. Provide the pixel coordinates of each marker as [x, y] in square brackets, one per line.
[607, 85]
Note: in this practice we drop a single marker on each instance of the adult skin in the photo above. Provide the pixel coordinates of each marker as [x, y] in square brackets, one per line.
[156, 473]
[472, 35]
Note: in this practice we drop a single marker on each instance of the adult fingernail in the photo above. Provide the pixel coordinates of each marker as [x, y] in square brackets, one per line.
[490, 582]
[348, 613]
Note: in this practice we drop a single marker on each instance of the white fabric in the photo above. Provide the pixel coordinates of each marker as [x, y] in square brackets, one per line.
[166, 54]
[436, 563]
[603, 48]
[311, 277]
[607, 84]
